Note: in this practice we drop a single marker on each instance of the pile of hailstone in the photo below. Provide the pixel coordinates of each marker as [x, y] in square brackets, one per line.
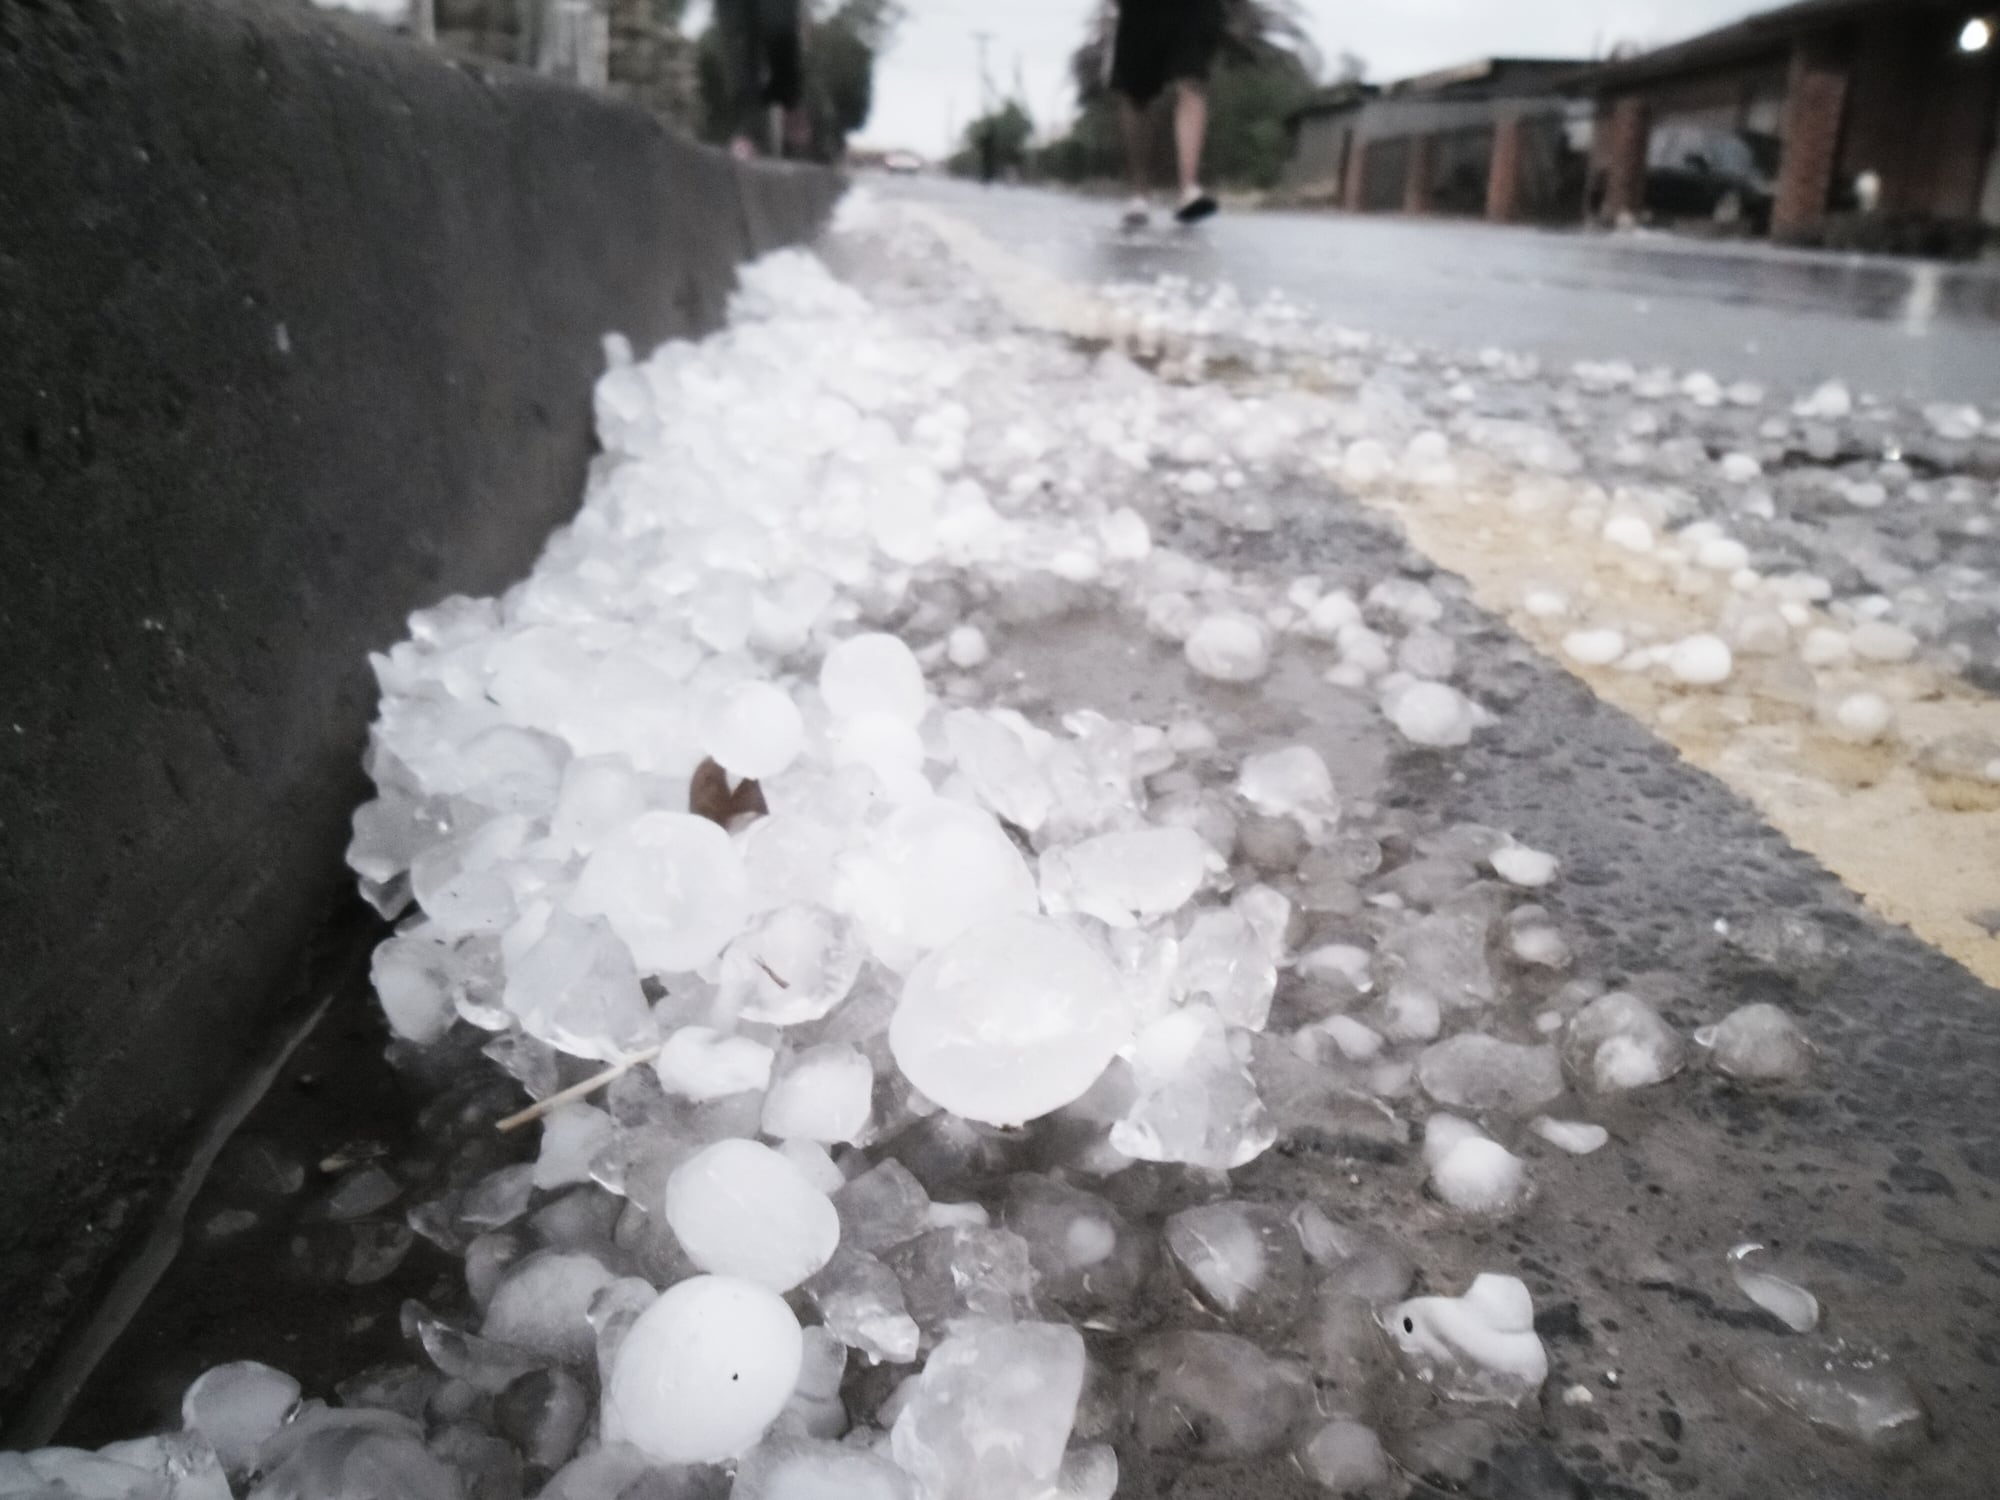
[923, 1051]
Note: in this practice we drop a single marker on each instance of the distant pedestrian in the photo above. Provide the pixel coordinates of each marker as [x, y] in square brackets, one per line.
[1162, 45]
[763, 42]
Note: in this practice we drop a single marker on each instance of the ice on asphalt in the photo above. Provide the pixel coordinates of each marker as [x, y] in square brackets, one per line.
[958, 1009]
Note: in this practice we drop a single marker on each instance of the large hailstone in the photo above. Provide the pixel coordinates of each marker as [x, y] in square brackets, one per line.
[1014, 1020]
[703, 1372]
[866, 676]
[933, 869]
[672, 886]
[741, 1209]
[757, 731]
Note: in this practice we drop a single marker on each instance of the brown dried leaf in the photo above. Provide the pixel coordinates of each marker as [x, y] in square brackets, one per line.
[710, 797]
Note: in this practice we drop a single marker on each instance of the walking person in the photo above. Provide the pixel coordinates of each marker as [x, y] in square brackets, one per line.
[764, 42]
[1162, 46]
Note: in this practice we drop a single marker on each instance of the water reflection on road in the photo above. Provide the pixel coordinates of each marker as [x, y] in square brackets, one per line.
[1791, 319]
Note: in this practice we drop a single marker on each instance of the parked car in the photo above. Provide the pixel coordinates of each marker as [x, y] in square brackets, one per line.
[1705, 172]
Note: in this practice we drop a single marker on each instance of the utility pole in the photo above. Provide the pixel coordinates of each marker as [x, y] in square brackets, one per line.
[984, 39]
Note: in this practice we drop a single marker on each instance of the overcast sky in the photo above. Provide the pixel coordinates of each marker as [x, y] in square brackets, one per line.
[927, 88]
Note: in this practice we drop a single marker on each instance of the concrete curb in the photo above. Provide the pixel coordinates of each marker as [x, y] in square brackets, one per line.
[298, 325]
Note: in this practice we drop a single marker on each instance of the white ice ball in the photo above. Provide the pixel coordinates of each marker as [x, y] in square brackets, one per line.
[966, 648]
[1594, 648]
[1700, 661]
[1230, 648]
[1521, 866]
[1863, 718]
[1430, 713]
[740, 1209]
[672, 886]
[757, 731]
[704, 1372]
[1014, 1020]
[869, 675]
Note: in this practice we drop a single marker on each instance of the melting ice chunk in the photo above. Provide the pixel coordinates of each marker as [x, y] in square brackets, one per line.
[1196, 1101]
[1122, 877]
[1618, 1042]
[1470, 1171]
[1293, 781]
[1855, 1393]
[992, 1411]
[1759, 1042]
[704, 1371]
[800, 1468]
[1014, 1020]
[1214, 1396]
[1431, 714]
[1242, 1259]
[235, 1407]
[1485, 1074]
[1787, 1301]
[1480, 1347]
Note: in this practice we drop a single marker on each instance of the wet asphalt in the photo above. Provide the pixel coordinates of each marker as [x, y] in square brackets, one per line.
[1739, 311]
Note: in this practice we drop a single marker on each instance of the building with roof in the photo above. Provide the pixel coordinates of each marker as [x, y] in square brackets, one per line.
[1495, 138]
[1839, 110]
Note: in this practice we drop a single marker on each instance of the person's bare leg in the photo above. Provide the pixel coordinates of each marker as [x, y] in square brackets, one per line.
[1132, 124]
[1190, 131]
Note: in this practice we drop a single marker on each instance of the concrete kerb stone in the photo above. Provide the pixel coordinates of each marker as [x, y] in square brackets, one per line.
[298, 326]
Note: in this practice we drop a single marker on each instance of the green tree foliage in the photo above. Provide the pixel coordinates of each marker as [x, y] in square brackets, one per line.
[1266, 69]
[995, 144]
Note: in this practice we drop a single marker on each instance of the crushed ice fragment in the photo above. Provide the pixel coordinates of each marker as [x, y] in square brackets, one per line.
[991, 1413]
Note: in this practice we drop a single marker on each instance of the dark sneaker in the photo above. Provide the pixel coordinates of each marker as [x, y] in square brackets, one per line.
[1200, 206]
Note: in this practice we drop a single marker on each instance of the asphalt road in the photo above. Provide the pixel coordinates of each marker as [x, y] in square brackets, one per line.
[1786, 318]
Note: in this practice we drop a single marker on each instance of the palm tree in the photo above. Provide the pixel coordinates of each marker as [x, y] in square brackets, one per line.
[1255, 32]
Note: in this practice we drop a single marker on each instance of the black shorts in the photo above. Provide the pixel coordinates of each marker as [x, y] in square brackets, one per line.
[762, 40]
[1162, 42]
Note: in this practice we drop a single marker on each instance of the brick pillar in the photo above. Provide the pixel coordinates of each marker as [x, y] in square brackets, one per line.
[1626, 137]
[1503, 175]
[1417, 186]
[1353, 190]
[1815, 107]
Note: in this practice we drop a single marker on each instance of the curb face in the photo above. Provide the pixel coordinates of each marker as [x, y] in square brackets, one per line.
[300, 324]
